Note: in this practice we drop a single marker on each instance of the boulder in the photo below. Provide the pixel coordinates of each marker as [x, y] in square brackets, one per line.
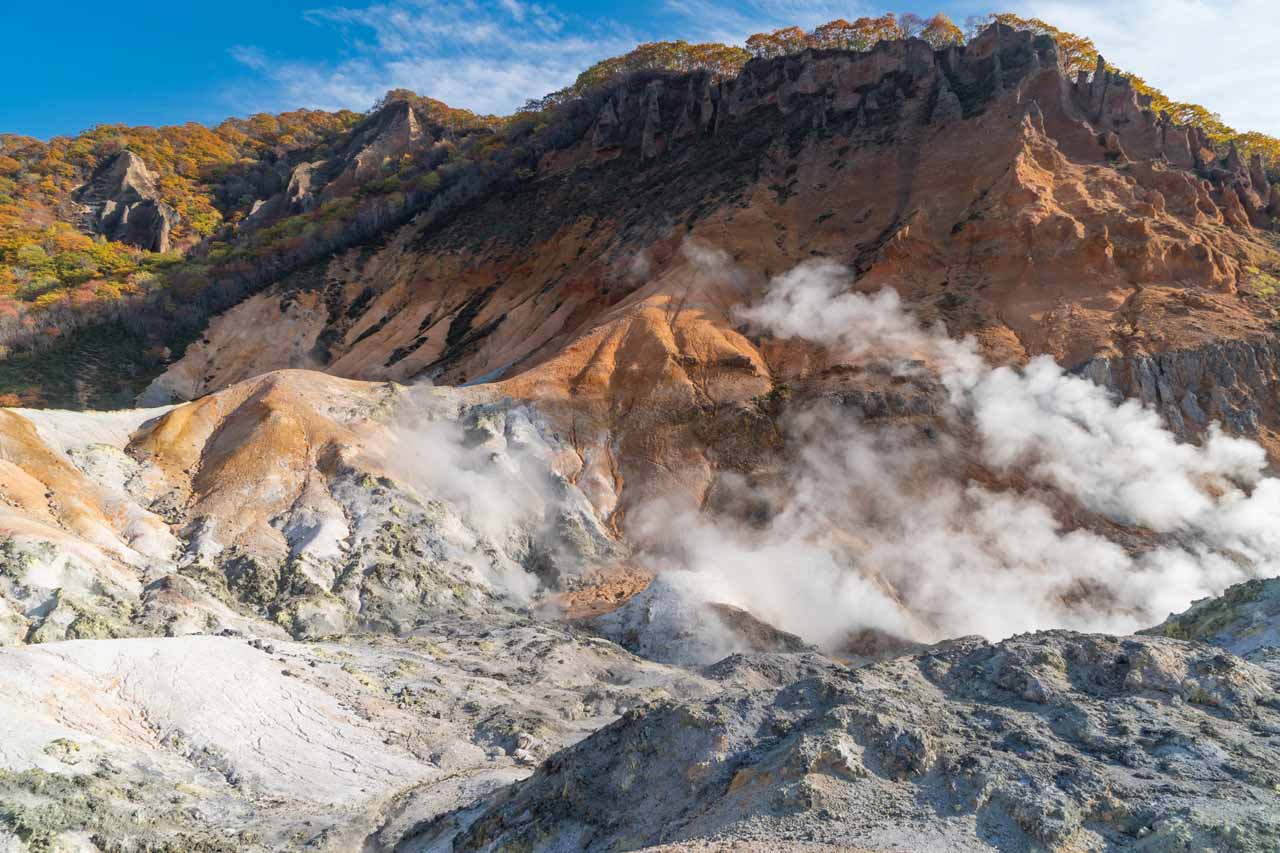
[301, 189]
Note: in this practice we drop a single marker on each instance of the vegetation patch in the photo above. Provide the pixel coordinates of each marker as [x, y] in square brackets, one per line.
[1262, 284]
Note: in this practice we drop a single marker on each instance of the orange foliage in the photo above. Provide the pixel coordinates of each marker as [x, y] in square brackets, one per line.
[778, 43]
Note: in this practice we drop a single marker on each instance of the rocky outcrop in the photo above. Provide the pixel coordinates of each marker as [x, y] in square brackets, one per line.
[121, 202]
[1235, 383]
[1244, 620]
[673, 620]
[169, 522]
[1258, 177]
[1051, 741]
[394, 130]
[947, 107]
[298, 195]
[370, 152]
[1129, 128]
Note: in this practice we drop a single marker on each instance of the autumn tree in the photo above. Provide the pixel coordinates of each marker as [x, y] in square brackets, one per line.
[868, 32]
[835, 35]
[861, 35]
[778, 43]
[940, 31]
[1268, 147]
[720, 59]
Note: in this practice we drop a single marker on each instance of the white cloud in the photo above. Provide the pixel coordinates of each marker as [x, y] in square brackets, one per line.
[485, 56]
[492, 55]
[1217, 53]
[713, 20]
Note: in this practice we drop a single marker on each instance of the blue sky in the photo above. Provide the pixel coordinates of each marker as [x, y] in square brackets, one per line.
[86, 63]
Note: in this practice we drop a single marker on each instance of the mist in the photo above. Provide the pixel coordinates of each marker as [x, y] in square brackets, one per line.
[1033, 499]
[504, 507]
[496, 485]
[883, 527]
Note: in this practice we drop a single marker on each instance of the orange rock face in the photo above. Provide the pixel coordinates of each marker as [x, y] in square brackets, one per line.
[1040, 214]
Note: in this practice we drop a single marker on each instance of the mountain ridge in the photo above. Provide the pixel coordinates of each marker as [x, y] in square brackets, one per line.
[246, 269]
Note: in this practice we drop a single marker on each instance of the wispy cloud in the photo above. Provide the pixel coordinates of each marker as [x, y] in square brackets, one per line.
[1218, 53]
[492, 55]
[485, 56]
[732, 23]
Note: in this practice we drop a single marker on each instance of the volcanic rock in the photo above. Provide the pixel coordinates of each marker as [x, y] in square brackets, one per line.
[121, 202]
[1051, 741]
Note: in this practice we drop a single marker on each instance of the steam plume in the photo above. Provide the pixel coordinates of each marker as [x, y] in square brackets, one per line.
[882, 529]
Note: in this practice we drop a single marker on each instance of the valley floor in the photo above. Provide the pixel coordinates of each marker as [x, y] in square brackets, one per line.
[525, 734]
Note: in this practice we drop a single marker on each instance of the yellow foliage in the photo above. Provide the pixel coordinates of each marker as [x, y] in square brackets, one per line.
[109, 291]
[778, 43]
[940, 31]
[49, 300]
[38, 251]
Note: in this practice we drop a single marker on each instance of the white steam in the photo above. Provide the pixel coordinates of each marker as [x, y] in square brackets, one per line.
[885, 528]
[1040, 502]
[1115, 457]
[491, 476]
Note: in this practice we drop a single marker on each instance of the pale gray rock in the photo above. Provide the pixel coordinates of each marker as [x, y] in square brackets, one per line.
[1244, 620]
[1050, 741]
[122, 203]
[216, 743]
[1231, 382]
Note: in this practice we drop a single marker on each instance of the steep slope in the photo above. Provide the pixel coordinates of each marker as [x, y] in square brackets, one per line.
[1041, 214]
[292, 502]
[1048, 215]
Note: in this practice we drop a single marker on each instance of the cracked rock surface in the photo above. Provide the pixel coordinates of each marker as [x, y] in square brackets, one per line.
[1053, 740]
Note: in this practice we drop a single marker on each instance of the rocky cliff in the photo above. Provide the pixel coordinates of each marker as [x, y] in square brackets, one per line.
[1043, 215]
[121, 202]
[1233, 383]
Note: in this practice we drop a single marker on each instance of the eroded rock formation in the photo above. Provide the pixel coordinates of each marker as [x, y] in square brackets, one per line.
[121, 202]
